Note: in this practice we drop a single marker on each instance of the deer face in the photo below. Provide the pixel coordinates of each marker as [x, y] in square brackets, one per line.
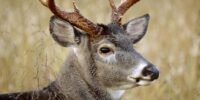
[118, 64]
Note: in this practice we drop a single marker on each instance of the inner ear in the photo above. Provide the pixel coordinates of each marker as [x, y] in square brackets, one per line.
[137, 28]
[63, 32]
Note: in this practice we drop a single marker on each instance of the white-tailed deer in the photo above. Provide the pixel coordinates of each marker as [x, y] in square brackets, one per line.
[102, 62]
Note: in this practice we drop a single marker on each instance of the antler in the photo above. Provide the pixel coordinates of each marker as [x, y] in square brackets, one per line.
[75, 18]
[117, 13]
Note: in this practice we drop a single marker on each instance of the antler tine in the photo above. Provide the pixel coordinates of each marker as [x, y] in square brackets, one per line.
[117, 13]
[75, 18]
[44, 3]
[125, 5]
[116, 16]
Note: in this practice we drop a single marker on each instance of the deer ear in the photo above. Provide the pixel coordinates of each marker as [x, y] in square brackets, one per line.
[63, 32]
[137, 27]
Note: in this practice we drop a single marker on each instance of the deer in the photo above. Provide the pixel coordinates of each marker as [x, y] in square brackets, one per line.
[102, 62]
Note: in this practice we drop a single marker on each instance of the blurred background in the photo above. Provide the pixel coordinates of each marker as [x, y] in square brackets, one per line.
[30, 59]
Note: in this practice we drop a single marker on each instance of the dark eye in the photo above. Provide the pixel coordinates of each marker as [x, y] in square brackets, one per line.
[105, 50]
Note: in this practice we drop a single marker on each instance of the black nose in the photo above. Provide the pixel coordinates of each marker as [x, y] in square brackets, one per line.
[151, 71]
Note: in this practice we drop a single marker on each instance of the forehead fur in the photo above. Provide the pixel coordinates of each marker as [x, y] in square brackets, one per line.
[115, 34]
[112, 29]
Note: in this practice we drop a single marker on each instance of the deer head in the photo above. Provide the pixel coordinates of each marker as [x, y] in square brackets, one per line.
[107, 48]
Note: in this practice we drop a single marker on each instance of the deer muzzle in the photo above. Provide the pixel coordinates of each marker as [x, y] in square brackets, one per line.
[144, 74]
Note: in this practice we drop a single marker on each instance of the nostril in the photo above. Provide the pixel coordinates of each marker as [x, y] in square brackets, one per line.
[151, 71]
[147, 71]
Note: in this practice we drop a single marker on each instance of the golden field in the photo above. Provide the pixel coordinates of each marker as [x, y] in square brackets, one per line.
[30, 59]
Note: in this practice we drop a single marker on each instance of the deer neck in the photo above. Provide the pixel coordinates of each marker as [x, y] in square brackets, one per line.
[87, 68]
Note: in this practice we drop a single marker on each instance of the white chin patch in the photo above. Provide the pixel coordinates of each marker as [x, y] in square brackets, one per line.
[143, 82]
[128, 86]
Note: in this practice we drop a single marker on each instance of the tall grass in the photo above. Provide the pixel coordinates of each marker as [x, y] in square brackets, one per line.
[29, 58]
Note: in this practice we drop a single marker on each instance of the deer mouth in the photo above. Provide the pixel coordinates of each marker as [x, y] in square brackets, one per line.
[140, 81]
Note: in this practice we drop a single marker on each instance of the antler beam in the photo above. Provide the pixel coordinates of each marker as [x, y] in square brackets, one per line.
[118, 12]
[75, 18]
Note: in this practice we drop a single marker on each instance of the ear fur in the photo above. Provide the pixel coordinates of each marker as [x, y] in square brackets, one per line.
[137, 28]
[63, 32]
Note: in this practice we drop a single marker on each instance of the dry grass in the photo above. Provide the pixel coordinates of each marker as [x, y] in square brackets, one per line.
[29, 58]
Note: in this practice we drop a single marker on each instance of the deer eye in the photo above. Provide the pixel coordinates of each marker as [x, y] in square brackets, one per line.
[105, 50]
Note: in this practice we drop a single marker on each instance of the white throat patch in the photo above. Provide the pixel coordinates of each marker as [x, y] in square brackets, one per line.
[116, 94]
